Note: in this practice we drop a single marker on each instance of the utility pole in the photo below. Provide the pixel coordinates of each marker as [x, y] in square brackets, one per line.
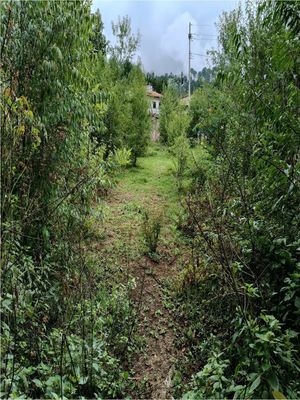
[190, 56]
[181, 83]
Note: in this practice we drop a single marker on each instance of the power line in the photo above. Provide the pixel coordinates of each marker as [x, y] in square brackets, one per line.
[204, 34]
[201, 26]
[204, 38]
[198, 37]
[200, 55]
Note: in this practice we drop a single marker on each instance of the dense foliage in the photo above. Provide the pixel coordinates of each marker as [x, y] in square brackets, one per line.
[240, 301]
[66, 114]
[173, 119]
[180, 82]
[73, 112]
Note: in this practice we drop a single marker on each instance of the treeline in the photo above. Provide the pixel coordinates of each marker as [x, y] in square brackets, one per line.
[239, 300]
[73, 109]
[180, 82]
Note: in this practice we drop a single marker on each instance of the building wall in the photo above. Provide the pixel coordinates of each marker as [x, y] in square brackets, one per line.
[154, 110]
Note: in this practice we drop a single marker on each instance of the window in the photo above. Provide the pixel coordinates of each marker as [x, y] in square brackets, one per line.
[154, 104]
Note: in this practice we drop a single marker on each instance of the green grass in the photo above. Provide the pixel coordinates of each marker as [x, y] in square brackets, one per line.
[152, 180]
[149, 187]
[124, 250]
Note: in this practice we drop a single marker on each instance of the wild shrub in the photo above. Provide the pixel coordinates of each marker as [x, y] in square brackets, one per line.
[169, 105]
[182, 153]
[177, 125]
[201, 167]
[265, 358]
[246, 213]
[82, 335]
[58, 314]
[151, 227]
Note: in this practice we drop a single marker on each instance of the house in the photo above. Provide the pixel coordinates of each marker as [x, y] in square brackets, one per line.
[154, 106]
[154, 100]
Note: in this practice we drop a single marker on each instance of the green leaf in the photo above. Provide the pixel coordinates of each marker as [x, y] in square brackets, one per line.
[96, 366]
[37, 383]
[255, 384]
[45, 233]
[57, 53]
[83, 380]
[125, 375]
[278, 395]
[297, 302]
[273, 380]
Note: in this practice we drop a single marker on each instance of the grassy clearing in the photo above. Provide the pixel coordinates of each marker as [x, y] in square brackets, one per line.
[150, 187]
[152, 179]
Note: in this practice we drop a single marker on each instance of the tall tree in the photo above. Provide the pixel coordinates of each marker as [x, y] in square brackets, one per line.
[126, 42]
[169, 104]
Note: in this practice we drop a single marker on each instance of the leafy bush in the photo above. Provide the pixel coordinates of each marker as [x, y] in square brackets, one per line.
[265, 358]
[81, 358]
[66, 330]
[245, 213]
[151, 227]
[182, 154]
[169, 104]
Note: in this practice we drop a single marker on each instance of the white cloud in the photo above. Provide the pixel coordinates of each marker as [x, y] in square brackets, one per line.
[174, 41]
[163, 25]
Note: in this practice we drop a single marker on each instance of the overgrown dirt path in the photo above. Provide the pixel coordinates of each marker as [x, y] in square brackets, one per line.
[151, 187]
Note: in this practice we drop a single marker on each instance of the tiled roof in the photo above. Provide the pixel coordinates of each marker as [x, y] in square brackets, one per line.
[154, 94]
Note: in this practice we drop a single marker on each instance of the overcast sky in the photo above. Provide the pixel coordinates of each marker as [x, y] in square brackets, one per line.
[164, 27]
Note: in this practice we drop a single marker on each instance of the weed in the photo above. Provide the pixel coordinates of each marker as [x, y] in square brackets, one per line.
[151, 228]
